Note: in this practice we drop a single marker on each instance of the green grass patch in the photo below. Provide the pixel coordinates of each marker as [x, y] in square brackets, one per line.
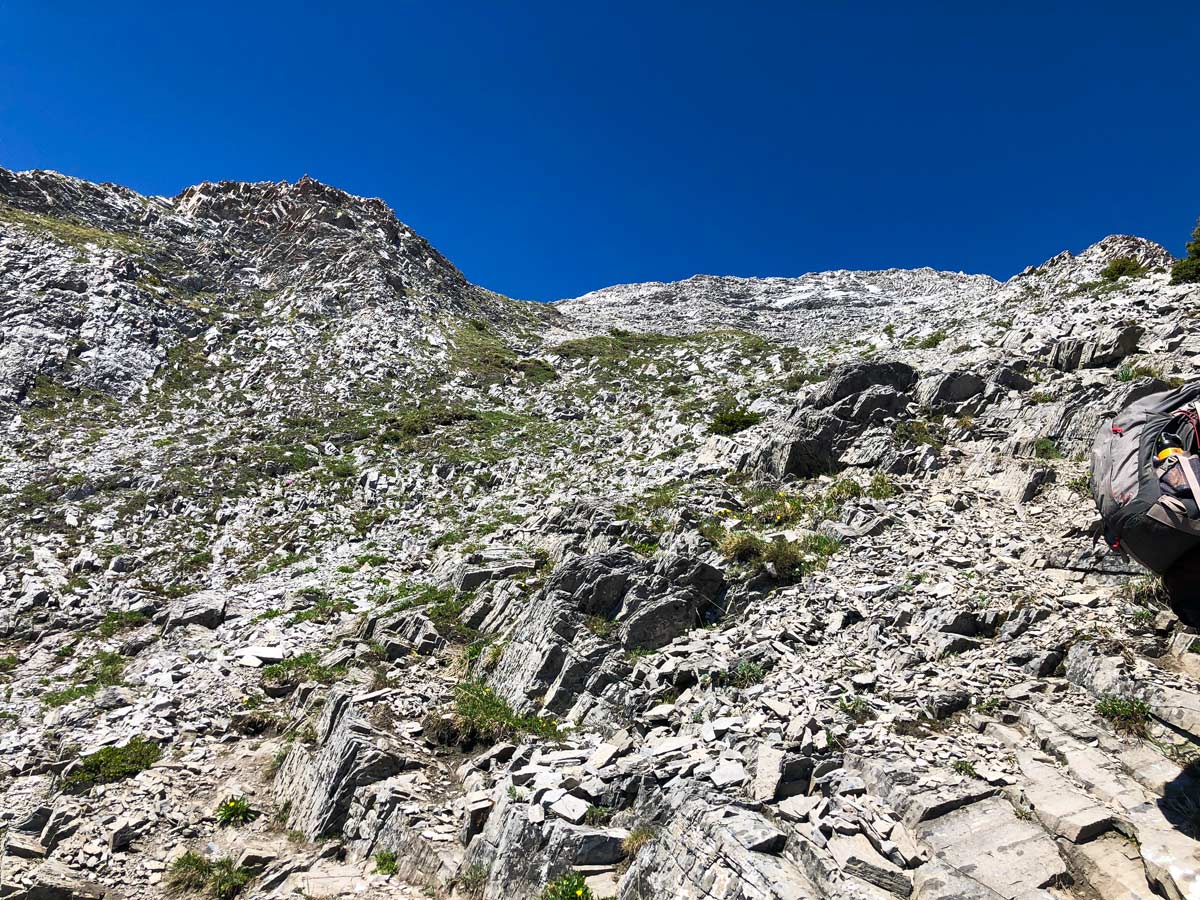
[1046, 448]
[572, 886]
[1125, 715]
[481, 717]
[102, 669]
[72, 232]
[114, 622]
[917, 433]
[305, 667]
[112, 764]
[220, 878]
[324, 608]
[730, 419]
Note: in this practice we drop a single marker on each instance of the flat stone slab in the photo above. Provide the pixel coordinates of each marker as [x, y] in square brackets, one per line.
[987, 842]
[855, 855]
[768, 772]
[265, 655]
[1060, 807]
[1112, 865]
[729, 773]
[205, 608]
[570, 808]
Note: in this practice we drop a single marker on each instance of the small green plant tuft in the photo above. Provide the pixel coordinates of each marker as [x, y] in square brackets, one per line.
[226, 879]
[472, 882]
[964, 767]
[305, 667]
[881, 487]
[112, 764]
[932, 340]
[481, 717]
[730, 419]
[1121, 267]
[189, 872]
[638, 837]
[1187, 271]
[1126, 715]
[1046, 448]
[855, 707]
[571, 886]
[598, 816]
[235, 811]
[600, 626]
[742, 674]
[385, 862]
[915, 433]
[114, 622]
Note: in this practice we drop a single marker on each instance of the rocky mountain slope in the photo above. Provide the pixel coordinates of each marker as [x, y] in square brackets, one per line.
[328, 573]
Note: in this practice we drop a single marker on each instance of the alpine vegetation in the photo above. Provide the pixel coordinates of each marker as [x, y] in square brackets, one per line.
[329, 573]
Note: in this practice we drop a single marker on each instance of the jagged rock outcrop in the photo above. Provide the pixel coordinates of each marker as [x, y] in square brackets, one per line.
[567, 640]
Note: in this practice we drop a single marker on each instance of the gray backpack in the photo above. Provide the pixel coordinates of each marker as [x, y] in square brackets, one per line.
[1139, 519]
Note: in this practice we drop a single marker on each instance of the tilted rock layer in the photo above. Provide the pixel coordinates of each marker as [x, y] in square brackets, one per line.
[328, 572]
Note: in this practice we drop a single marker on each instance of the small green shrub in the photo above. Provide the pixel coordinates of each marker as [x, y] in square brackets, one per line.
[730, 419]
[815, 550]
[798, 378]
[1130, 372]
[1046, 448]
[964, 767]
[189, 872]
[102, 669]
[746, 673]
[932, 340]
[1121, 267]
[305, 667]
[786, 557]
[842, 490]
[1126, 715]
[111, 764]
[598, 816]
[598, 625]
[1186, 271]
[881, 487]
[1140, 617]
[571, 886]
[226, 879]
[742, 547]
[639, 836]
[1146, 590]
[385, 862]
[479, 717]
[446, 614]
[471, 882]
[235, 811]
[323, 609]
[114, 622]
[915, 433]
[855, 707]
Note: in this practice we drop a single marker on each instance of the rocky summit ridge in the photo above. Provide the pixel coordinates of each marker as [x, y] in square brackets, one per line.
[328, 573]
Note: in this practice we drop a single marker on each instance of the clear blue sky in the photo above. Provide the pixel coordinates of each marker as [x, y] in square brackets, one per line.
[553, 148]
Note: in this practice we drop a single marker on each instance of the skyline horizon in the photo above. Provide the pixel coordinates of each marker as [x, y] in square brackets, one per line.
[614, 284]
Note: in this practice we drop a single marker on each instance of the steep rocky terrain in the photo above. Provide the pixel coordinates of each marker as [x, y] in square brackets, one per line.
[329, 573]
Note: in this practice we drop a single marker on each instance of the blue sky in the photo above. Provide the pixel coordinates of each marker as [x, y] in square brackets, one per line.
[550, 149]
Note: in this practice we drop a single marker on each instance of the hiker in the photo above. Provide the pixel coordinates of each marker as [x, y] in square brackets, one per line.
[1146, 482]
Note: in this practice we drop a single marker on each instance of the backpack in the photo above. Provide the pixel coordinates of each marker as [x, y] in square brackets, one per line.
[1138, 519]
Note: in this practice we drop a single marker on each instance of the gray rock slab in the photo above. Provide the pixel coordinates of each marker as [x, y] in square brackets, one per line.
[988, 842]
